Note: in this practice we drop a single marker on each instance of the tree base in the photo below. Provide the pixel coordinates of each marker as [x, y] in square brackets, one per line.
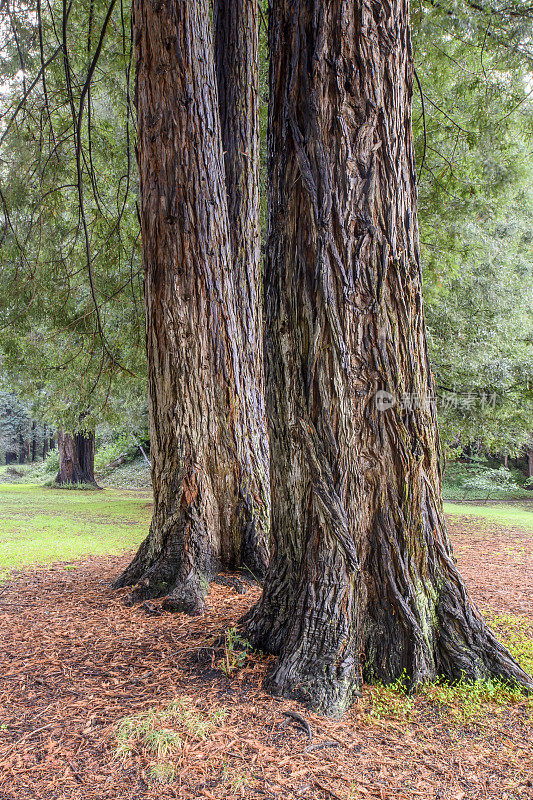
[181, 556]
[86, 487]
[416, 637]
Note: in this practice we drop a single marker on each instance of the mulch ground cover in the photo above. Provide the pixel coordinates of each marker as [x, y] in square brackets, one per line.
[75, 661]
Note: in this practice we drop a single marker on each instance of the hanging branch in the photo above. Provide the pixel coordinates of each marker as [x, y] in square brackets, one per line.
[424, 124]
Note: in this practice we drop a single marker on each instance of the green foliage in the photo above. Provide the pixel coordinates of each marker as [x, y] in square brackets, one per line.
[133, 476]
[471, 700]
[511, 629]
[71, 318]
[51, 462]
[477, 481]
[123, 445]
[162, 772]
[460, 702]
[236, 650]
[476, 217]
[391, 701]
[509, 516]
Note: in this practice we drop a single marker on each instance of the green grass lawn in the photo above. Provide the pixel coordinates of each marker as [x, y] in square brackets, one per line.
[39, 525]
[511, 516]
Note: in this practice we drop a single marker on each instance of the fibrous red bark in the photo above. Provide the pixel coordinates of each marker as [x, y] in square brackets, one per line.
[210, 498]
[76, 458]
[362, 581]
[236, 40]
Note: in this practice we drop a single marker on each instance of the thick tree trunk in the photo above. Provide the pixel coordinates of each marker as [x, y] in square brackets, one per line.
[76, 458]
[45, 442]
[22, 449]
[530, 462]
[33, 441]
[236, 24]
[362, 579]
[201, 390]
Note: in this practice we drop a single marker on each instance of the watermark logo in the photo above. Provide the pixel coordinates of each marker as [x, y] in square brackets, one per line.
[384, 400]
[461, 401]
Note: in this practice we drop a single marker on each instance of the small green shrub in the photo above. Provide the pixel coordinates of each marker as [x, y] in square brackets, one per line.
[122, 446]
[391, 700]
[510, 630]
[51, 462]
[162, 773]
[236, 650]
[477, 481]
[470, 700]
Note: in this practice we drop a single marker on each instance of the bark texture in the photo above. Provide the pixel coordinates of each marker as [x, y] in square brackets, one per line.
[201, 391]
[236, 26]
[76, 458]
[362, 580]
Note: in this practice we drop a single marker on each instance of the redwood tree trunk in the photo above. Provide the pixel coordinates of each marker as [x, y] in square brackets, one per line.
[362, 579]
[33, 441]
[76, 458]
[22, 449]
[236, 25]
[209, 499]
[45, 442]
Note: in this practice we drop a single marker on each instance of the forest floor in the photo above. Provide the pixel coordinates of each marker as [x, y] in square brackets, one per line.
[100, 700]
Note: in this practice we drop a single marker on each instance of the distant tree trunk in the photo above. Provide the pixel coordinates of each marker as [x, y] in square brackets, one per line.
[201, 390]
[45, 442]
[236, 24]
[506, 460]
[530, 462]
[22, 449]
[33, 441]
[76, 458]
[362, 579]
[52, 443]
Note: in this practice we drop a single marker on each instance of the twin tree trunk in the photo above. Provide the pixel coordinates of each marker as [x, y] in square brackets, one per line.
[362, 581]
[76, 458]
[208, 447]
[236, 47]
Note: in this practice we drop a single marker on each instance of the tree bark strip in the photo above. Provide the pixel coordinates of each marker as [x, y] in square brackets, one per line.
[236, 26]
[362, 580]
[201, 390]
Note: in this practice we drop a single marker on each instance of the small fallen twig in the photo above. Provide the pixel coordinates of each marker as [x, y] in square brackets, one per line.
[321, 745]
[75, 772]
[327, 791]
[302, 722]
